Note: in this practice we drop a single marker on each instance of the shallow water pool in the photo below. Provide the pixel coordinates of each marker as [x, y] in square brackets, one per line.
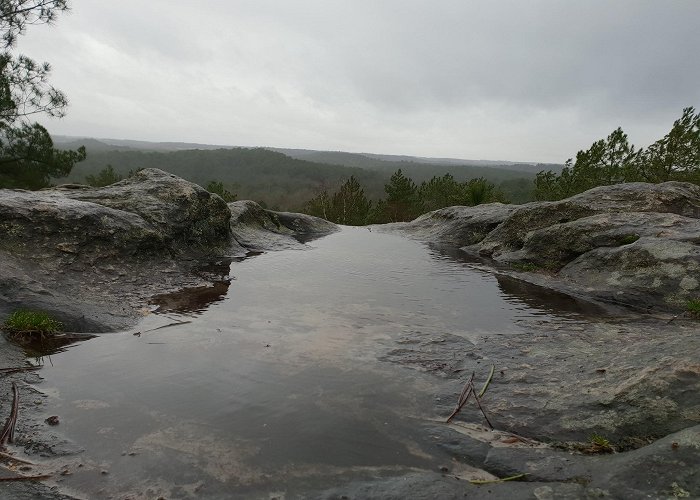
[271, 385]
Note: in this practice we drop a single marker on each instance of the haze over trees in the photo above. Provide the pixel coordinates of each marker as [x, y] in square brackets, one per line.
[613, 160]
[28, 158]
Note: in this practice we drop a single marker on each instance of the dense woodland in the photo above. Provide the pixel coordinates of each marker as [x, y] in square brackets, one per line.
[277, 180]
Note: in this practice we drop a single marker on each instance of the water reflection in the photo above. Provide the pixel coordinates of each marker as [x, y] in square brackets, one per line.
[37, 347]
[533, 296]
[278, 386]
[538, 297]
[193, 300]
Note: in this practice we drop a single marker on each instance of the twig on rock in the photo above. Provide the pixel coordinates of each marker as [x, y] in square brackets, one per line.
[469, 390]
[7, 371]
[491, 481]
[463, 397]
[8, 431]
[11, 458]
[25, 478]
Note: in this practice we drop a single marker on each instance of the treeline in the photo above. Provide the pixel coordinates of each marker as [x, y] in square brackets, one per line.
[614, 160]
[404, 199]
[273, 179]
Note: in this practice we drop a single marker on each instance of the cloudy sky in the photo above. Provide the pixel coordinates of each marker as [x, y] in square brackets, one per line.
[509, 80]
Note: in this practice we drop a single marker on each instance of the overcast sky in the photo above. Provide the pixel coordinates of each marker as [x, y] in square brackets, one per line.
[508, 80]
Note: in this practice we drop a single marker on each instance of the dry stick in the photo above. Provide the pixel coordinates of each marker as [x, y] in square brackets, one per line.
[9, 430]
[482, 410]
[12, 458]
[25, 478]
[463, 397]
[167, 326]
[15, 410]
[490, 481]
[7, 371]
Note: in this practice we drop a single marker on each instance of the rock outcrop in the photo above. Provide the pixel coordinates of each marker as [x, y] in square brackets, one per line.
[633, 244]
[92, 256]
[257, 229]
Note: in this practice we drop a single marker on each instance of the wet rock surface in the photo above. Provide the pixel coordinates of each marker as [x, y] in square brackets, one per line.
[93, 256]
[636, 244]
[630, 379]
[258, 229]
[557, 389]
[622, 379]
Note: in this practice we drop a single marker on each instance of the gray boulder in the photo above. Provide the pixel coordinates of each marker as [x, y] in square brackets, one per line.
[257, 229]
[71, 250]
[460, 226]
[186, 215]
[633, 244]
[680, 198]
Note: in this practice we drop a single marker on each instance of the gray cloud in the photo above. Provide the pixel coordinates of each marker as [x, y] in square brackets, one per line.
[530, 80]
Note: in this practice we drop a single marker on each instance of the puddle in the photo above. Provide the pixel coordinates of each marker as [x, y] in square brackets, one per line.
[271, 384]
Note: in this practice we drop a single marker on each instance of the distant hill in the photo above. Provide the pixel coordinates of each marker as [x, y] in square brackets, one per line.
[100, 144]
[284, 178]
[388, 162]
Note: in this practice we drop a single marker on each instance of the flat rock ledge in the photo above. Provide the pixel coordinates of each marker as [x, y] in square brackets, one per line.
[635, 245]
[93, 256]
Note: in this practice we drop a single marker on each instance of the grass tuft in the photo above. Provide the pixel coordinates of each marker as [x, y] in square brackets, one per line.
[26, 322]
[693, 307]
[525, 267]
[599, 444]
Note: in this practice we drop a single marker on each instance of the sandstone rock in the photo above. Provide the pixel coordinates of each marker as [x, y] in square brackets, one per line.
[258, 229]
[89, 256]
[186, 215]
[460, 226]
[47, 224]
[670, 197]
[633, 244]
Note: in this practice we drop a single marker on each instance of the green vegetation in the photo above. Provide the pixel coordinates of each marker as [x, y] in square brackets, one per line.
[104, 177]
[348, 205]
[693, 307]
[525, 267]
[24, 322]
[285, 183]
[28, 158]
[599, 444]
[217, 187]
[404, 199]
[628, 239]
[613, 160]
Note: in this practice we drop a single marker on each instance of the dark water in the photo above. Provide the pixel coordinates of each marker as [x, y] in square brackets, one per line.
[273, 387]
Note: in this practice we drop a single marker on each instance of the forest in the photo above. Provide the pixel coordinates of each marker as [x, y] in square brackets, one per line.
[276, 180]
